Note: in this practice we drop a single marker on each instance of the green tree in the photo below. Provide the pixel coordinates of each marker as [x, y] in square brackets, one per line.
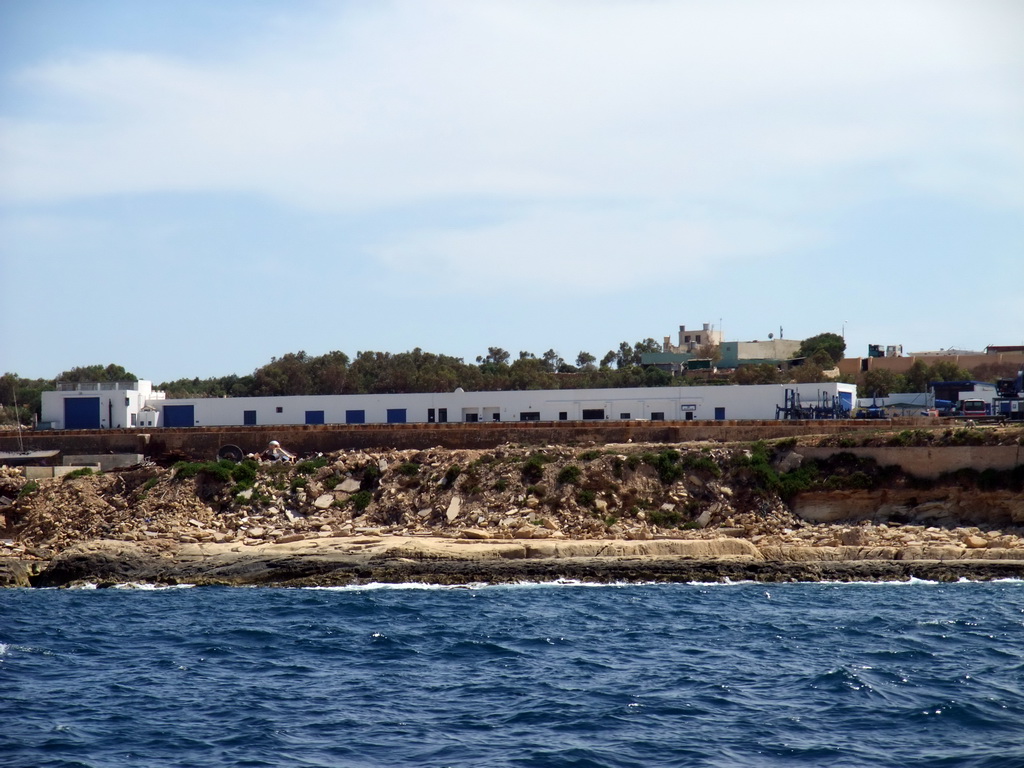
[86, 373]
[495, 355]
[811, 370]
[881, 383]
[832, 343]
[553, 361]
[585, 361]
[947, 370]
[761, 373]
[918, 376]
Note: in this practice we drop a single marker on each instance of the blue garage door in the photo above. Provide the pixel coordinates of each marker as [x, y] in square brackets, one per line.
[355, 417]
[179, 415]
[314, 417]
[249, 418]
[846, 401]
[396, 415]
[81, 413]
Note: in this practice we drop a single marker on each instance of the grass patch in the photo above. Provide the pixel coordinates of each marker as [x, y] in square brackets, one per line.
[28, 488]
[408, 469]
[83, 472]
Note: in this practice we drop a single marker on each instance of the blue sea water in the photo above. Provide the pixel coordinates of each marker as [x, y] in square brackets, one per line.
[913, 674]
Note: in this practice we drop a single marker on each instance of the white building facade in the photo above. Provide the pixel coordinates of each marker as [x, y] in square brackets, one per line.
[63, 410]
[98, 405]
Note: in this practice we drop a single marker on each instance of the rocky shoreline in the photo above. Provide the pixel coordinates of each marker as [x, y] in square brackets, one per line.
[364, 560]
[694, 513]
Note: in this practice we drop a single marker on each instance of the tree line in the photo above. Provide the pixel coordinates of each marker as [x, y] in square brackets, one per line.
[335, 373]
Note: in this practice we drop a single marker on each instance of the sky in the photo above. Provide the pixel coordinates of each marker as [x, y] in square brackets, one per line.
[189, 189]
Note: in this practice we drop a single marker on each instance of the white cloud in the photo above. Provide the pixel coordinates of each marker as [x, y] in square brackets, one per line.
[411, 101]
[551, 251]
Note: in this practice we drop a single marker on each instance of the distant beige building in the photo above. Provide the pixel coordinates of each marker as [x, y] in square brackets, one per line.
[967, 360]
[692, 340]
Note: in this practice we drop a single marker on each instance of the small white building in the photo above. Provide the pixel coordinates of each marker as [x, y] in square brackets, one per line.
[65, 410]
[98, 405]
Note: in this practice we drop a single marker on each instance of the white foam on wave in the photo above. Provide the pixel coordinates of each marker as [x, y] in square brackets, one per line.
[479, 585]
[147, 587]
[136, 585]
[379, 585]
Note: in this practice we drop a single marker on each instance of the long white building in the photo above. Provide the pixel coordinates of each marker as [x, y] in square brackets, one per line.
[90, 407]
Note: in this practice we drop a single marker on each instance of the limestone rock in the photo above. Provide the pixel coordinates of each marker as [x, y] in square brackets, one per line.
[474, 533]
[324, 501]
[348, 485]
[454, 508]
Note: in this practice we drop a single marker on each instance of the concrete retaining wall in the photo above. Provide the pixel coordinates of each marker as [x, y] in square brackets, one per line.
[931, 462]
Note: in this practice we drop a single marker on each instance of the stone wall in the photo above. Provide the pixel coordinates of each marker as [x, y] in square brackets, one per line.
[204, 442]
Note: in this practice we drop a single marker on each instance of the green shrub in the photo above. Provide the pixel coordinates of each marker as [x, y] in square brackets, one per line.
[665, 518]
[533, 467]
[569, 475]
[586, 498]
[801, 479]
[186, 470]
[223, 471]
[590, 455]
[501, 485]
[310, 466]
[617, 467]
[537, 490]
[244, 473]
[408, 469]
[452, 475]
[786, 444]
[700, 463]
[148, 486]
[371, 476]
[672, 466]
[28, 488]
[967, 436]
[299, 482]
[361, 500]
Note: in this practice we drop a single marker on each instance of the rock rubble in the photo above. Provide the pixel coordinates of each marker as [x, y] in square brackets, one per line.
[624, 492]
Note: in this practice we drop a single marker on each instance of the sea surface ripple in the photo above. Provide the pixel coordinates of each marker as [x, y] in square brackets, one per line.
[914, 674]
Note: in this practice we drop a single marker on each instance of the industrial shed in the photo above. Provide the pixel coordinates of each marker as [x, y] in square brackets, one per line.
[623, 404]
